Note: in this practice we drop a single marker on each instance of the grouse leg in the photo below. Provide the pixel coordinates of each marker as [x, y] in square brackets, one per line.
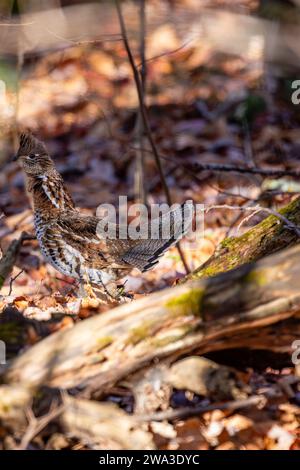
[118, 293]
[85, 288]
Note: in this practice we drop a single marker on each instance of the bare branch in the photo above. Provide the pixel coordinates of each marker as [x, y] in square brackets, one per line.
[13, 280]
[256, 209]
[139, 177]
[198, 167]
[232, 168]
[166, 54]
[186, 412]
[36, 425]
[145, 118]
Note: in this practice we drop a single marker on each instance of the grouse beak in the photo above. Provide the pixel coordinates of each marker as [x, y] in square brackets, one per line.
[15, 157]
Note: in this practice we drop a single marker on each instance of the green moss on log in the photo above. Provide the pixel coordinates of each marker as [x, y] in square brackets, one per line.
[188, 303]
[140, 333]
[258, 277]
[104, 341]
[266, 238]
[160, 342]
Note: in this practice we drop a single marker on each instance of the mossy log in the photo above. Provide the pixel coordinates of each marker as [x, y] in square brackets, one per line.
[269, 236]
[198, 315]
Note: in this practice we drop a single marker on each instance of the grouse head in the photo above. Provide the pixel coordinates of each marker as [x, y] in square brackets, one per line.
[33, 156]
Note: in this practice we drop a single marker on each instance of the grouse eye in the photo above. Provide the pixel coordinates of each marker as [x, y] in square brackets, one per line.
[31, 156]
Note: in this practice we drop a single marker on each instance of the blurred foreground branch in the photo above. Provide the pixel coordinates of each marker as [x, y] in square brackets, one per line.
[205, 315]
[226, 31]
[254, 306]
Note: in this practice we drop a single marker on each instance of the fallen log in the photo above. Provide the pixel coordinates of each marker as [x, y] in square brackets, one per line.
[197, 315]
[267, 237]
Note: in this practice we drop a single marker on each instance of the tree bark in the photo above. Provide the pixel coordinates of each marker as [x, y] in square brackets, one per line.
[267, 237]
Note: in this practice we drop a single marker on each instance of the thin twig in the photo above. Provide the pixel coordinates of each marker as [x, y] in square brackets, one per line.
[246, 219]
[257, 209]
[143, 70]
[232, 168]
[140, 180]
[12, 280]
[167, 53]
[269, 192]
[36, 425]
[230, 194]
[141, 102]
[18, 24]
[78, 42]
[145, 118]
[240, 216]
[197, 167]
[171, 415]
[71, 43]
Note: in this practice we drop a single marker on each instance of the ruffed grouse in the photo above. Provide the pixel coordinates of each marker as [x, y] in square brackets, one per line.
[68, 239]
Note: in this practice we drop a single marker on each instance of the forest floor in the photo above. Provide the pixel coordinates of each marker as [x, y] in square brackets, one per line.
[204, 106]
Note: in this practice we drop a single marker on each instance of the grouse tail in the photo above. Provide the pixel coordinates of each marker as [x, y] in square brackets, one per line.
[166, 231]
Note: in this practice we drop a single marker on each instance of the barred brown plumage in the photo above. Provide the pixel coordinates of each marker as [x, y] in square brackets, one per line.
[68, 239]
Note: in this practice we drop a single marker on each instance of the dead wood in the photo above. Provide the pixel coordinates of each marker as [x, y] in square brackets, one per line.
[201, 314]
[104, 426]
[152, 387]
[271, 235]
